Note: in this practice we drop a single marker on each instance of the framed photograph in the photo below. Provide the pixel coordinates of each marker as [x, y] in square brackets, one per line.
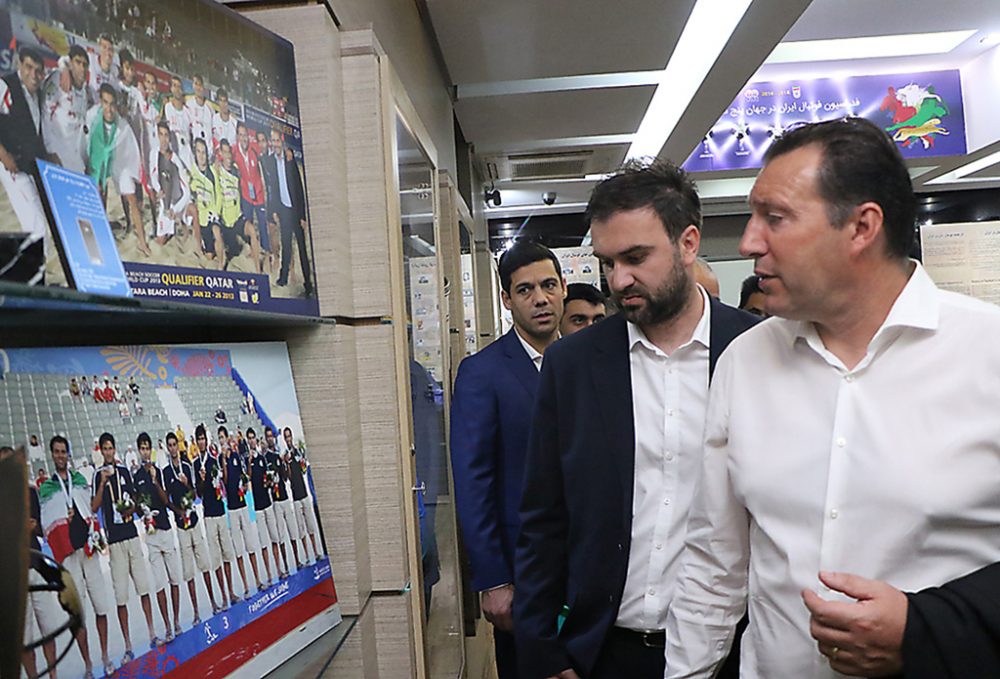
[185, 116]
[207, 529]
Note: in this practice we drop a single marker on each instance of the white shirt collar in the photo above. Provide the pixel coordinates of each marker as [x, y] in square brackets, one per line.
[916, 307]
[701, 334]
[533, 354]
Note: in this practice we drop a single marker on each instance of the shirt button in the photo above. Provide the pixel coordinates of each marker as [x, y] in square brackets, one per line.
[611, 598]
[666, 501]
[659, 546]
[652, 591]
[834, 513]
[670, 412]
[848, 378]
[841, 442]
[669, 455]
[620, 548]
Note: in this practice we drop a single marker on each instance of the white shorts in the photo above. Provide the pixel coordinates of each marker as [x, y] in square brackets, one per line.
[86, 573]
[220, 541]
[194, 551]
[285, 511]
[306, 516]
[127, 180]
[42, 609]
[163, 561]
[267, 527]
[127, 560]
[23, 195]
[244, 536]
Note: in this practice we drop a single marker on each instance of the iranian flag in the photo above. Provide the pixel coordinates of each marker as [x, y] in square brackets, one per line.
[55, 519]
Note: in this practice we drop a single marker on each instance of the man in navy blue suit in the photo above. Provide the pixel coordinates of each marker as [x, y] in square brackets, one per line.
[491, 412]
[616, 441]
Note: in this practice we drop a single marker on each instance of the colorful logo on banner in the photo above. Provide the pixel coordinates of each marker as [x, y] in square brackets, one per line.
[921, 111]
[159, 364]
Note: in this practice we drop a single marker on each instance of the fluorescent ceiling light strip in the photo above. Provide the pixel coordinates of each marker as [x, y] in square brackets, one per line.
[873, 47]
[708, 29]
[961, 174]
[558, 84]
[540, 145]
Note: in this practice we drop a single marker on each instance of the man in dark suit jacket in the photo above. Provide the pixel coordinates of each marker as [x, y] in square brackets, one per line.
[286, 198]
[615, 446]
[491, 411]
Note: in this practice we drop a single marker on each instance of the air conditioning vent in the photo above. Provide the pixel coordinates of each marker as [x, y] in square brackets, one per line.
[549, 165]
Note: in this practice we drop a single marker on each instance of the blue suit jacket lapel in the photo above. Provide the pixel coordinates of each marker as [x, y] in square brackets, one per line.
[522, 366]
[613, 390]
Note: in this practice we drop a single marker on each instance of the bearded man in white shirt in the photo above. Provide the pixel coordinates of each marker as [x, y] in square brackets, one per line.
[615, 446]
[844, 463]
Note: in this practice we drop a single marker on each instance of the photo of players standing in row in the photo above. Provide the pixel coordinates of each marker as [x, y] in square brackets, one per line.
[186, 178]
[127, 534]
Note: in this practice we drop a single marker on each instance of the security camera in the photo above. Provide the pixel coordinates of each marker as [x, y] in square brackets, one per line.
[492, 195]
[549, 197]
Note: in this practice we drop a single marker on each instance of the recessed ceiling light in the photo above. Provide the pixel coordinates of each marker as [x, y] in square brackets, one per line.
[960, 175]
[873, 47]
[708, 29]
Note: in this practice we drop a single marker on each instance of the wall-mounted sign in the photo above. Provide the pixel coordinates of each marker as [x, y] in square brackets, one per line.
[922, 111]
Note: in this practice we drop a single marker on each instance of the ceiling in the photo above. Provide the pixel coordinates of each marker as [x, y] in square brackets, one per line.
[551, 93]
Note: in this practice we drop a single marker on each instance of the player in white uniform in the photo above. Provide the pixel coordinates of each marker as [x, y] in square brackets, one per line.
[200, 112]
[103, 67]
[65, 99]
[223, 122]
[170, 182]
[150, 112]
[179, 118]
[112, 154]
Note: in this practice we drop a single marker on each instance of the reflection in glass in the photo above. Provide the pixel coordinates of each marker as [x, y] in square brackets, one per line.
[438, 546]
[468, 288]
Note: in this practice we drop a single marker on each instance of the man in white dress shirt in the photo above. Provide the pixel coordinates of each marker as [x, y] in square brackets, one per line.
[200, 112]
[856, 433]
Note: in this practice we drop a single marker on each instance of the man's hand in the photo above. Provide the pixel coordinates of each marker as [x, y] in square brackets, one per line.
[862, 639]
[566, 674]
[496, 607]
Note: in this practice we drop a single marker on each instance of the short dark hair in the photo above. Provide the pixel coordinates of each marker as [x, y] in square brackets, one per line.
[270, 429]
[58, 439]
[660, 185]
[105, 36]
[106, 88]
[585, 291]
[242, 124]
[288, 429]
[224, 142]
[170, 435]
[251, 431]
[125, 57]
[860, 164]
[106, 436]
[197, 77]
[223, 430]
[523, 253]
[30, 53]
[78, 51]
[177, 78]
[200, 431]
[750, 286]
[143, 437]
[163, 124]
[221, 93]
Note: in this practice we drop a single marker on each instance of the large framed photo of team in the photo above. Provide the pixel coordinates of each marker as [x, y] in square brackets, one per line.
[173, 484]
[168, 129]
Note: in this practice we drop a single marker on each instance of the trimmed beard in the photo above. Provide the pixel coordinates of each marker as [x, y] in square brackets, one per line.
[663, 304]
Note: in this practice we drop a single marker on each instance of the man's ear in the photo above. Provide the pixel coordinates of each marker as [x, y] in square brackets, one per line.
[867, 227]
[505, 298]
[689, 242]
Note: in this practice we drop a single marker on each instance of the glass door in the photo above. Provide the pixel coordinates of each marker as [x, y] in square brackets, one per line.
[427, 335]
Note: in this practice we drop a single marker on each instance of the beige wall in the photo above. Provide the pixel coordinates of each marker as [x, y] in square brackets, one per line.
[399, 30]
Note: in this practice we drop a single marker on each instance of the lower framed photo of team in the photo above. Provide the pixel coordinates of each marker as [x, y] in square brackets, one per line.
[180, 122]
[173, 484]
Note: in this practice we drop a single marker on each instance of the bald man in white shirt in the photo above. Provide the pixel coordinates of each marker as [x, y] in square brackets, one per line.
[856, 433]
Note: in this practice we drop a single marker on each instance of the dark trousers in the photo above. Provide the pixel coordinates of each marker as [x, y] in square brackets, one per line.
[290, 227]
[625, 656]
[506, 655]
